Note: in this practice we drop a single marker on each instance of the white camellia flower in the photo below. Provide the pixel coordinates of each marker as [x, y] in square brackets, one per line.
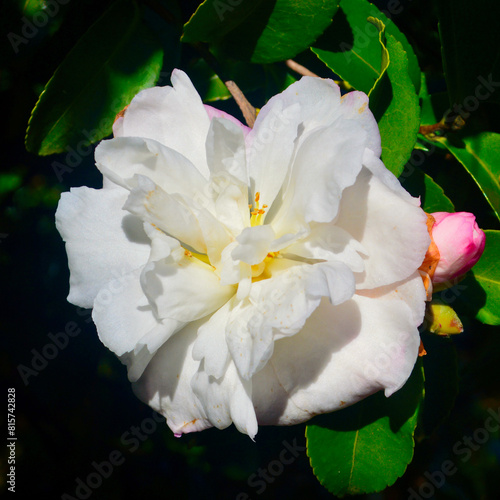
[245, 276]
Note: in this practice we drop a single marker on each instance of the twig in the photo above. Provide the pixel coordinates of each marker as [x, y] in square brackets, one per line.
[249, 112]
[298, 68]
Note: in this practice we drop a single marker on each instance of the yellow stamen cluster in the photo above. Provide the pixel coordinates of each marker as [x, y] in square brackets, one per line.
[257, 212]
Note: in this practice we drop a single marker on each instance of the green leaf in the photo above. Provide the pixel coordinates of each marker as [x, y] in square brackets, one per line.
[478, 151]
[480, 155]
[350, 46]
[109, 65]
[215, 18]
[470, 39]
[441, 381]
[432, 196]
[394, 103]
[480, 290]
[260, 32]
[366, 447]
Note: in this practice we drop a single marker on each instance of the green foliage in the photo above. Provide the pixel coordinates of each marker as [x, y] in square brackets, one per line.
[476, 149]
[261, 32]
[114, 60]
[350, 46]
[394, 103]
[480, 290]
[480, 155]
[432, 196]
[346, 447]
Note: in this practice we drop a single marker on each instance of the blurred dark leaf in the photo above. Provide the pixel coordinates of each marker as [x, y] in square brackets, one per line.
[113, 61]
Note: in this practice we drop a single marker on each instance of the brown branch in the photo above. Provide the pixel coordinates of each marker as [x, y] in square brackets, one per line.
[249, 112]
[298, 68]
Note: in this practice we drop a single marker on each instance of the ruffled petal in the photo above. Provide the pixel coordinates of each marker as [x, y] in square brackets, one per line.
[168, 390]
[123, 158]
[226, 151]
[126, 323]
[184, 288]
[329, 242]
[316, 183]
[211, 346]
[253, 244]
[170, 212]
[390, 226]
[226, 400]
[217, 113]
[103, 241]
[280, 306]
[342, 355]
[174, 116]
[354, 106]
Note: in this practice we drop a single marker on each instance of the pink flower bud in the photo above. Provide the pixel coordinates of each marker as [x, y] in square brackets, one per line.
[460, 243]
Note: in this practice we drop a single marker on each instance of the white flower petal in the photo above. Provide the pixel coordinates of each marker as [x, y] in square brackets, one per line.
[174, 116]
[127, 325]
[317, 180]
[168, 390]
[391, 228]
[169, 212]
[249, 338]
[226, 151]
[184, 288]
[271, 148]
[123, 158]
[280, 306]
[211, 345]
[226, 400]
[342, 355]
[329, 242]
[102, 240]
[217, 113]
[354, 106]
[253, 244]
[231, 206]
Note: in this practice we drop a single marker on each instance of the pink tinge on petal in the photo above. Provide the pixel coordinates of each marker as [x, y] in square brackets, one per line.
[177, 434]
[217, 113]
[460, 242]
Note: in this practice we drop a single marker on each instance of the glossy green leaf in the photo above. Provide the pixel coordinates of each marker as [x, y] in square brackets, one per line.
[394, 103]
[112, 62]
[480, 290]
[470, 39]
[350, 46]
[480, 155]
[441, 381]
[476, 150]
[366, 447]
[260, 32]
[215, 18]
[432, 196]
